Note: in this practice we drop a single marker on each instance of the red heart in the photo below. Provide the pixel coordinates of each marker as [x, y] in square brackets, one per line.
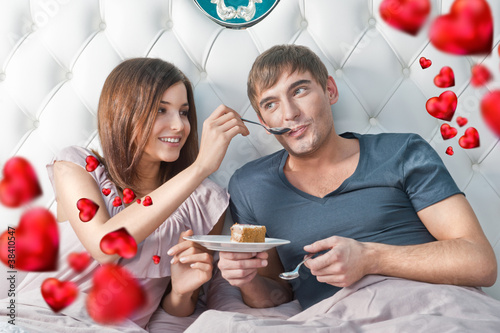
[480, 76]
[448, 132]
[20, 183]
[87, 209]
[119, 242]
[445, 78]
[425, 63]
[466, 30]
[92, 163]
[106, 191]
[115, 295]
[490, 110]
[450, 151]
[405, 15]
[117, 202]
[79, 261]
[128, 195]
[138, 201]
[57, 294]
[461, 121]
[470, 139]
[156, 259]
[147, 201]
[442, 107]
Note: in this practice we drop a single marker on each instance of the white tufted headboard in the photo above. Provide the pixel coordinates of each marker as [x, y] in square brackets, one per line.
[56, 54]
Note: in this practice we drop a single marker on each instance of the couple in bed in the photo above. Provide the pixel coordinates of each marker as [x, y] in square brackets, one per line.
[373, 205]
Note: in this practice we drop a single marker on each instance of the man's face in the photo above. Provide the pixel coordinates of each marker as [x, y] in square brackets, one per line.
[297, 101]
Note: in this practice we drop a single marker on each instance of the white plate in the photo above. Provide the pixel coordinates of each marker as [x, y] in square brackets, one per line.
[223, 243]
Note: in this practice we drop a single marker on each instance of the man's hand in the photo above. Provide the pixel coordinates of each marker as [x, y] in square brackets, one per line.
[241, 268]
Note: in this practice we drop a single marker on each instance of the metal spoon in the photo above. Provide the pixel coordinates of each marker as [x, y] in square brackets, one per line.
[272, 130]
[295, 273]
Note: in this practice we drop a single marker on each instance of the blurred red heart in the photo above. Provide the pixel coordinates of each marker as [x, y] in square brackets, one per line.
[405, 15]
[114, 296]
[58, 294]
[450, 151]
[36, 242]
[119, 242]
[138, 201]
[19, 184]
[445, 78]
[461, 121]
[147, 201]
[448, 132]
[466, 30]
[442, 107]
[106, 191]
[425, 63]
[117, 202]
[87, 209]
[156, 259]
[480, 76]
[78, 261]
[490, 110]
[92, 163]
[470, 139]
[128, 195]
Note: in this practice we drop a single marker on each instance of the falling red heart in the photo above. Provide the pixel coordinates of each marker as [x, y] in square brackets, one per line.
[461, 121]
[19, 184]
[466, 30]
[36, 242]
[115, 295]
[138, 201]
[490, 110]
[405, 15]
[156, 259]
[147, 201]
[425, 63]
[106, 191]
[128, 196]
[470, 139]
[442, 107]
[78, 261]
[58, 294]
[117, 202]
[448, 132]
[450, 151]
[445, 78]
[480, 76]
[92, 163]
[119, 242]
[87, 209]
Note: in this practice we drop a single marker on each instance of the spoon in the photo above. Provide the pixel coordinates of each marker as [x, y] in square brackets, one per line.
[272, 130]
[295, 273]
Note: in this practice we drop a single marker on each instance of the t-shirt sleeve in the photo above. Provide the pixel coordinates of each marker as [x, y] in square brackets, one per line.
[426, 179]
[239, 201]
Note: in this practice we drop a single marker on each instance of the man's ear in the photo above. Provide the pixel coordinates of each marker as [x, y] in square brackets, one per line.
[333, 93]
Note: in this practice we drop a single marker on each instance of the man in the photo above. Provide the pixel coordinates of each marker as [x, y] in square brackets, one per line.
[371, 204]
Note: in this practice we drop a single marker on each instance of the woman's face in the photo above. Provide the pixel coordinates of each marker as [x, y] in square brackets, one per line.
[171, 127]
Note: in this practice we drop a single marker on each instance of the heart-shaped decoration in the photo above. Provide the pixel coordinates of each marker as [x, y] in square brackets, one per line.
[128, 196]
[19, 184]
[138, 201]
[425, 63]
[58, 294]
[470, 139]
[445, 78]
[79, 261]
[156, 259]
[117, 201]
[450, 151]
[466, 30]
[37, 242]
[106, 191]
[87, 209]
[461, 121]
[92, 163]
[480, 76]
[119, 242]
[448, 132]
[442, 107]
[147, 201]
[405, 15]
[490, 110]
[115, 295]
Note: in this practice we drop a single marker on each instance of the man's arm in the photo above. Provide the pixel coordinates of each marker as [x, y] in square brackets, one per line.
[461, 255]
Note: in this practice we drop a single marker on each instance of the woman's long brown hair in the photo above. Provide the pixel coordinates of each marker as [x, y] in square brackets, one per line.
[128, 107]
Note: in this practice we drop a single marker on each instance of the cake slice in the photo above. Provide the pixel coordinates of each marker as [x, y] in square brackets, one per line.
[248, 233]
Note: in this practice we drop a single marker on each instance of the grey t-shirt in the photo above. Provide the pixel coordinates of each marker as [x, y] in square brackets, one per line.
[397, 175]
